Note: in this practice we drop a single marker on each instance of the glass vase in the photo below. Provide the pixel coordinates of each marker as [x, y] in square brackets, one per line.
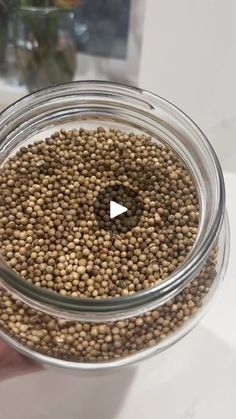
[3, 35]
[44, 46]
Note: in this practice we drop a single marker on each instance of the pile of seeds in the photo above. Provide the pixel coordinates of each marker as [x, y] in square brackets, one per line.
[48, 229]
[49, 234]
[90, 342]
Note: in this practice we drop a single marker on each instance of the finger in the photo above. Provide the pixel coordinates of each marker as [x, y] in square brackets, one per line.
[13, 364]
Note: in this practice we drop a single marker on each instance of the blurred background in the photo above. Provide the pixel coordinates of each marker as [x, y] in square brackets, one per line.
[44, 42]
[183, 51]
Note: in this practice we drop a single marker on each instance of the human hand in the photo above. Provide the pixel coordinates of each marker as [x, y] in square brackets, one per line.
[13, 364]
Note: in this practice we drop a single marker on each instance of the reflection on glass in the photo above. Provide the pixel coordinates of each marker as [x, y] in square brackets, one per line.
[102, 27]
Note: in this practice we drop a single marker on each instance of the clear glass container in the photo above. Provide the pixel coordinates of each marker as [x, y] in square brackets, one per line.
[3, 35]
[44, 46]
[82, 333]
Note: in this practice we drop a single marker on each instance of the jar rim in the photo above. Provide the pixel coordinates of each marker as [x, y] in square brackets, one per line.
[54, 302]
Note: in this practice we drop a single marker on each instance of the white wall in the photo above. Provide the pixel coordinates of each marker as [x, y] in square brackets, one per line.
[189, 57]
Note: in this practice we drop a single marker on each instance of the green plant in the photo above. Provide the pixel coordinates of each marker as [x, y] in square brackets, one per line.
[64, 4]
[45, 49]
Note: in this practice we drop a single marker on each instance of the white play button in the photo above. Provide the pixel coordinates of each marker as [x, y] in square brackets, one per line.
[116, 209]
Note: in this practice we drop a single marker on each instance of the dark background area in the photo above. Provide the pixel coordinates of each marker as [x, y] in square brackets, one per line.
[101, 27]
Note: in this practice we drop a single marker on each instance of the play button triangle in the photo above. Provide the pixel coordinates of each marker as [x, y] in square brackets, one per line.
[116, 209]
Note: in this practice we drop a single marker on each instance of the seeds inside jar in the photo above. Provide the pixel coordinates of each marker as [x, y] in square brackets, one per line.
[50, 234]
[48, 222]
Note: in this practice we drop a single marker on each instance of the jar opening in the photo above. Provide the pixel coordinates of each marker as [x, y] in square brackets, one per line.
[140, 110]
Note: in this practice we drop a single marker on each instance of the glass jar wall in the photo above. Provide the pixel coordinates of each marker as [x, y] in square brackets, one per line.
[87, 333]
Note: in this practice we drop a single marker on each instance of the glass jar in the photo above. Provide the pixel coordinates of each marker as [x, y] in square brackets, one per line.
[85, 333]
[3, 35]
[44, 46]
